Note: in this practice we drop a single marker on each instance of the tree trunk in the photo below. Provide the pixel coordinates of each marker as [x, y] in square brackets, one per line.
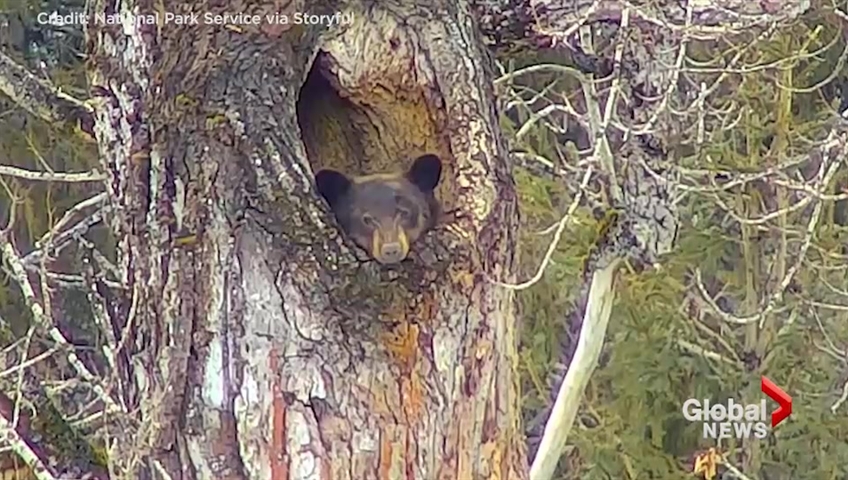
[258, 343]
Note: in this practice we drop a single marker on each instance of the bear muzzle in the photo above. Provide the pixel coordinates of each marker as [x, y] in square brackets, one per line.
[390, 246]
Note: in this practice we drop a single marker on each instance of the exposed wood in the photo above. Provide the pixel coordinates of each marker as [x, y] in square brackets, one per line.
[598, 310]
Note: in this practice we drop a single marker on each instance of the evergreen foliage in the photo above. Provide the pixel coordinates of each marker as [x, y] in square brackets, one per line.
[781, 93]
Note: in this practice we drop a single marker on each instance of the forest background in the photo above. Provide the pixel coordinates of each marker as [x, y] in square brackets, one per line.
[763, 237]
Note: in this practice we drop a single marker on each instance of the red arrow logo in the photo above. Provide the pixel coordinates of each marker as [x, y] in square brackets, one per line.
[779, 396]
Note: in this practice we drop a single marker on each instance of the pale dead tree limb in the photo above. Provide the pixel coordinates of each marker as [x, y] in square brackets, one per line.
[527, 159]
[535, 162]
[802, 187]
[10, 436]
[15, 199]
[94, 201]
[831, 349]
[14, 425]
[600, 286]
[12, 400]
[59, 177]
[39, 96]
[102, 261]
[66, 238]
[598, 310]
[737, 474]
[537, 68]
[644, 229]
[47, 389]
[94, 277]
[834, 352]
[598, 124]
[732, 179]
[789, 324]
[828, 306]
[97, 305]
[830, 286]
[16, 413]
[62, 235]
[601, 152]
[842, 398]
[34, 393]
[715, 336]
[763, 219]
[541, 114]
[30, 361]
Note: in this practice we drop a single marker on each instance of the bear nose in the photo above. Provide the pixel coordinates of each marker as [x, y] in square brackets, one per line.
[391, 253]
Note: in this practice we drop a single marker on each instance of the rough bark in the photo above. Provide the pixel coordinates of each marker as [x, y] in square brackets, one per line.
[260, 345]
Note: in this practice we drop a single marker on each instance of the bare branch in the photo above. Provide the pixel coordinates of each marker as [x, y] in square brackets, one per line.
[60, 237]
[735, 471]
[82, 177]
[691, 347]
[20, 276]
[645, 228]
[10, 435]
[39, 96]
[510, 24]
[833, 150]
[842, 398]
[555, 241]
[592, 332]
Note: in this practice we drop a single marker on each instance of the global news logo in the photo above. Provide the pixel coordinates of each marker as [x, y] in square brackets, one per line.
[737, 420]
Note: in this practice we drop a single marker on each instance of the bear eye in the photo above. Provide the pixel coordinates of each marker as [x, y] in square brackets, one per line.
[405, 214]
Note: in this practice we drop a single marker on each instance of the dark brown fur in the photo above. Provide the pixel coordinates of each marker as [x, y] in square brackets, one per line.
[385, 213]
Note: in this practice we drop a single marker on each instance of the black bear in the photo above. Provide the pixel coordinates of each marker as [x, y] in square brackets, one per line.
[385, 213]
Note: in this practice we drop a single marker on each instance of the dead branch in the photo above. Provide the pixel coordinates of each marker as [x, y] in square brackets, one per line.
[527, 24]
[645, 228]
[63, 233]
[832, 152]
[40, 451]
[22, 173]
[592, 332]
[557, 235]
[20, 276]
[9, 435]
[39, 96]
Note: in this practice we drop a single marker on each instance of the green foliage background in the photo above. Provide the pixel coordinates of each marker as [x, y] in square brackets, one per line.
[630, 424]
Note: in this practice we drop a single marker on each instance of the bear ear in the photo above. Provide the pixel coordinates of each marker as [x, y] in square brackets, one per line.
[425, 172]
[332, 185]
